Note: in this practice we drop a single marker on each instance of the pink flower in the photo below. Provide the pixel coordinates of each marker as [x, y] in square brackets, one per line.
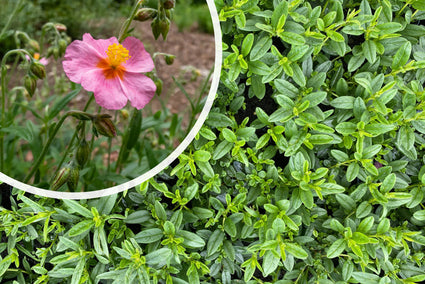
[36, 56]
[112, 71]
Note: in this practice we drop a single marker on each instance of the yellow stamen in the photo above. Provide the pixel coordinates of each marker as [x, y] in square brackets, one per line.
[36, 56]
[117, 54]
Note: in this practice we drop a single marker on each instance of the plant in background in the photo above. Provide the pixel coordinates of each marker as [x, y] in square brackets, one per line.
[110, 70]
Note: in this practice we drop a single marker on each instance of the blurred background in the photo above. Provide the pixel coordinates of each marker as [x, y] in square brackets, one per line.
[170, 115]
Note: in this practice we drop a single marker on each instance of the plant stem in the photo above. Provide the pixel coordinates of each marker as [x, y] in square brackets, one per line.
[9, 21]
[46, 147]
[3, 98]
[72, 139]
[127, 23]
[124, 143]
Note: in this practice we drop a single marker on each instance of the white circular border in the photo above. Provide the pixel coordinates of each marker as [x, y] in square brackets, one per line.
[163, 164]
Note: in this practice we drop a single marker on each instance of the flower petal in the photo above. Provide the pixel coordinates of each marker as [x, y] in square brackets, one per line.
[107, 92]
[83, 56]
[140, 60]
[138, 88]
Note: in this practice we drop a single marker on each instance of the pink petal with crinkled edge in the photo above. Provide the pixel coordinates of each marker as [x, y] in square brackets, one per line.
[107, 92]
[99, 45]
[138, 88]
[83, 56]
[140, 60]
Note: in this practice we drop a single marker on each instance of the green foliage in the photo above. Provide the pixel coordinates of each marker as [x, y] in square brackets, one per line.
[309, 168]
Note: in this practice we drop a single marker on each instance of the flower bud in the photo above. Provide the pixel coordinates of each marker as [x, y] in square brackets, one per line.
[145, 14]
[60, 27]
[38, 69]
[82, 154]
[61, 178]
[56, 52]
[164, 27]
[30, 84]
[73, 179]
[62, 45]
[34, 44]
[158, 84]
[168, 4]
[104, 125]
[124, 114]
[169, 59]
[155, 25]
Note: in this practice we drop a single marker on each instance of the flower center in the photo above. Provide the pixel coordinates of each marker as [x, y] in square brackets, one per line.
[117, 54]
[36, 56]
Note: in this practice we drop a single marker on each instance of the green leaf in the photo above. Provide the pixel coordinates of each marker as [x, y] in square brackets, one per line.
[336, 248]
[419, 215]
[148, 236]
[260, 48]
[215, 241]
[360, 238]
[270, 263]
[19, 131]
[61, 104]
[207, 133]
[191, 240]
[247, 44]
[369, 50]
[78, 271]
[366, 224]
[406, 137]
[78, 208]
[383, 226]
[339, 155]
[346, 201]
[297, 51]
[307, 198]
[230, 227]
[222, 149]
[343, 102]
[218, 120]
[389, 27]
[335, 36]
[314, 98]
[320, 139]
[205, 156]
[388, 183]
[364, 277]
[286, 88]
[81, 227]
[402, 56]
[258, 67]
[346, 128]
[161, 255]
[378, 129]
[292, 38]
[371, 151]
[419, 5]
[363, 209]
[352, 171]
[355, 62]
[296, 250]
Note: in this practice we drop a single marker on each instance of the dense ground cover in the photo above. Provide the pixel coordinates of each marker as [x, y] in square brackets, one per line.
[310, 168]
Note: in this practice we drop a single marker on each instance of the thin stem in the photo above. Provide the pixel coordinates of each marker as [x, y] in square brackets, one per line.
[127, 23]
[9, 21]
[124, 143]
[3, 97]
[46, 147]
[72, 139]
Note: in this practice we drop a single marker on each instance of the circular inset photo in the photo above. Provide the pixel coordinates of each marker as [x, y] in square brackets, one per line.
[96, 102]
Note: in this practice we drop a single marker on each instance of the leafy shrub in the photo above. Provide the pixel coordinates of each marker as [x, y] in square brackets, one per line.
[309, 169]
